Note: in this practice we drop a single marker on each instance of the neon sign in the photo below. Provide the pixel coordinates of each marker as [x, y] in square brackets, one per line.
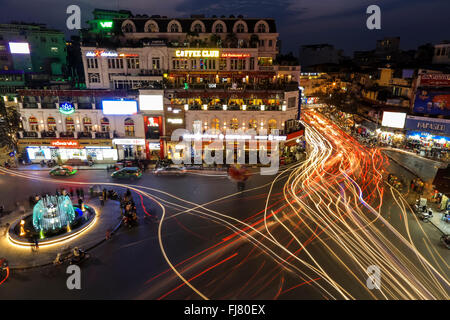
[64, 143]
[197, 53]
[101, 53]
[106, 24]
[235, 55]
[66, 108]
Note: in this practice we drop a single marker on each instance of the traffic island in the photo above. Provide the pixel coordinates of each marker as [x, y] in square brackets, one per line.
[88, 229]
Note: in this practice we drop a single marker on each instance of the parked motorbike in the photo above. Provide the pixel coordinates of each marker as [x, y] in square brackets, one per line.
[78, 259]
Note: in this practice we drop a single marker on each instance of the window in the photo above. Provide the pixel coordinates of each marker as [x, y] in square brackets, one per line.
[270, 43]
[70, 125]
[193, 64]
[272, 124]
[234, 124]
[87, 124]
[92, 63]
[155, 64]
[94, 77]
[129, 127]
[152, 27]
[51, 124]
[104, 122]
[33, 124]
[223, 64]
[252, 63]
[237, 64]
[174, 28]
[261, 28]
[115, 63]
[261, 43]
[198, 28]
[219, 28]
[240, 28]
[133, 63]
[215, 124]
[128, 28]
[179, 64]
[253, 124]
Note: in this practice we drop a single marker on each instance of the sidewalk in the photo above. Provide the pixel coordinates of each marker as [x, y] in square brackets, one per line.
[108, 218]
[38, 167]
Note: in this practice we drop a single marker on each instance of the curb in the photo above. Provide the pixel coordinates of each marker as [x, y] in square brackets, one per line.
[397, 162]
[21, 268]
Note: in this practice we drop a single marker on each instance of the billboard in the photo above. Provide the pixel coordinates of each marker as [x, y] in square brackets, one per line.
[393, 119]
[119, 107]
[149, 102]
[19, 48]
[434, 80]
[432, 102]
[434, 125]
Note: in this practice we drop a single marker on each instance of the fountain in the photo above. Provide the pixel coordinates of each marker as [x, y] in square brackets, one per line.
[53, 213]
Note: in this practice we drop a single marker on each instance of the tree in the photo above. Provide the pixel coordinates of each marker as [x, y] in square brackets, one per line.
[344, 101]
[10, 124]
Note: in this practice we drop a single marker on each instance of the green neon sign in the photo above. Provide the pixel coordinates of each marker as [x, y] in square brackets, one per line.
[66, 108]
[106, 24]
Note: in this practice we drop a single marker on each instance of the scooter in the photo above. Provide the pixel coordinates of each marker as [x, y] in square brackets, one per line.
[79, 259]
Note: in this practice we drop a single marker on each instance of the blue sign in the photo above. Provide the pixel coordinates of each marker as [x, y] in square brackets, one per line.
[66, 108]
[432, 102]
[441, 126]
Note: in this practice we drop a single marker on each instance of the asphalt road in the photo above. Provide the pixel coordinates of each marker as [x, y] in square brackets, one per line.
[215, 239]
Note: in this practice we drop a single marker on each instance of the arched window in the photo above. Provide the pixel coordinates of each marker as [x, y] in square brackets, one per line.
[104, 122]
[87, 124]
[240, 28]
[261, 28]
[128, 27]
[129, 127]
[219, 28]
[234, 124]
[272, 124]
[152, 27]
[33, 124]
[215, 124]
[51, 124]
[198, 28]
[253, 124]
[70, 125]
[174, 28]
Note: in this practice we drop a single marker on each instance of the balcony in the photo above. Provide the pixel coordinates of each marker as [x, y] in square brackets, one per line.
[30, 134]
[219, 107]
[48, 134]
[102, 135]
[85, 135]
[67, 134]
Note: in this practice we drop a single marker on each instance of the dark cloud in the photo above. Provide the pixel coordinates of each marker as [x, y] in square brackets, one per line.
[340, 22]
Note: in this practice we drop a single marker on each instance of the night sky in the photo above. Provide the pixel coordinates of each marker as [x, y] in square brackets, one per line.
[339, 22]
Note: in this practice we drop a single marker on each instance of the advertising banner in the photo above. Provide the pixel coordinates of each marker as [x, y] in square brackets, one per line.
[432, 102]
[433, 125]
[434, 80]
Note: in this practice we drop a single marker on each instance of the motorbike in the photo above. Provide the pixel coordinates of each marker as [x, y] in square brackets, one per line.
[80, 258]
[130, 220]
[445, 239]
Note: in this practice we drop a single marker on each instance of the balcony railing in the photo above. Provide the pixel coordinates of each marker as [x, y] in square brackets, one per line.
[67, 134]
[85, 134]
[48, 134]
[219, 107]
[102, 135]
[30, 134]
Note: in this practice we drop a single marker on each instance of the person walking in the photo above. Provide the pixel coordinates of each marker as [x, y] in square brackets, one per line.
[102, 200]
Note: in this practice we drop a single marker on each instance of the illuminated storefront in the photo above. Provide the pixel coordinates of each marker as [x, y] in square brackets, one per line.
[100, 151]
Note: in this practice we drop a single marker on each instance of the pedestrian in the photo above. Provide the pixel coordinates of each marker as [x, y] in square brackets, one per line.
[108, 234]
[102, 200]
[78, 192]
[36, 244]
[104, 194]
[80, 202]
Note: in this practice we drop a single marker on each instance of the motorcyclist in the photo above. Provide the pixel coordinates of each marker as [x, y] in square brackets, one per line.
[78, 254]
[58, 259]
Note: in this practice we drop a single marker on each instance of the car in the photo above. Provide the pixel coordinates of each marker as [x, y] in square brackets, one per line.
[127, 173]
[63, 171]
[172, 171]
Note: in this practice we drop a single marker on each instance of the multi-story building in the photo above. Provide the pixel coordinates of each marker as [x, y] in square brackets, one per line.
[224, 73]
[76, 124]
[31, 54]
[441, 53]
[317, 54]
